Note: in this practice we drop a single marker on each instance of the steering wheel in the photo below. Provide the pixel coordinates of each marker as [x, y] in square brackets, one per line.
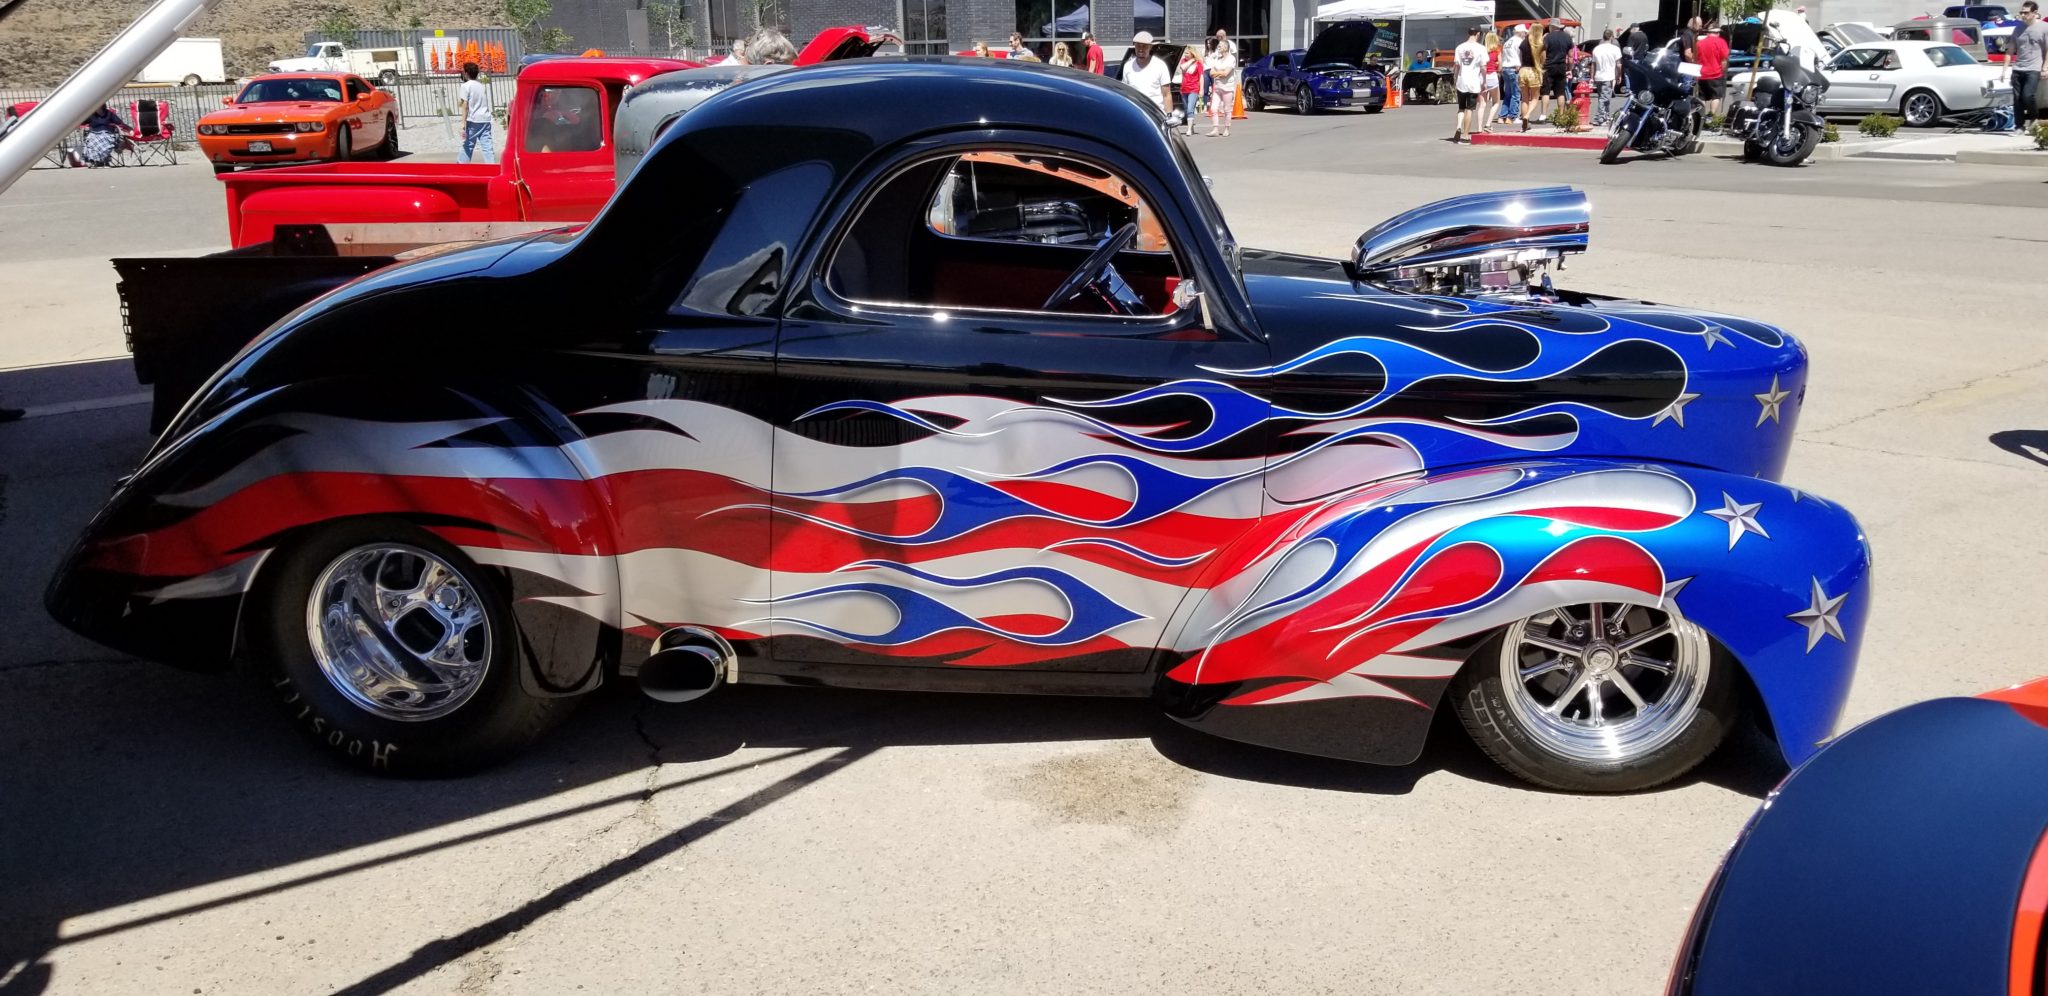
[1089, 274]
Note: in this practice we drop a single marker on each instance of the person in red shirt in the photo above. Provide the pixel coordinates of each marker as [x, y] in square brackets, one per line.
[1094, 52]
[1713, 52]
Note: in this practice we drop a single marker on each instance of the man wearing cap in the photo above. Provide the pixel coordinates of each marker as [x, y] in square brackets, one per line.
[1148, 72]
[1557, 50]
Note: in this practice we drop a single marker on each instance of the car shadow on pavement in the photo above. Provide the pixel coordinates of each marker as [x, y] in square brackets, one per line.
[2029, 443]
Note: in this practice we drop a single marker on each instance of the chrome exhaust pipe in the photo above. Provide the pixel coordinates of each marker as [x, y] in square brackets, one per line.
[686, 663]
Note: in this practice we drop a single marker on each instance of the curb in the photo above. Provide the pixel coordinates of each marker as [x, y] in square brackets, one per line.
[1540, 140]
[1999, 157]
[1730, 148]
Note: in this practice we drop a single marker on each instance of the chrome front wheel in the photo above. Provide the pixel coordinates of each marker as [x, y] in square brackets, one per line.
[1598, 697]
[398, 631]
[1604, 681]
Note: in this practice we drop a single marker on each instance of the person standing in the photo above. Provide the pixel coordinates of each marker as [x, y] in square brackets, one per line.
[769, 47]
[1468, 61]
[1061, 56]
[1489, 98]
[1689, 41]
[1557, 51]
[1510, 76]
[1190, 73]
[1222, 70]
[1094, 56]
[1638, 43]
[1606, 66]
[1148, 73]
[981, 50]
[1713, 51]
[2029, 50]
[475, 107]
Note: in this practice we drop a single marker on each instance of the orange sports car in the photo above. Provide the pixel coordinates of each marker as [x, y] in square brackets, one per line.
[300, 117]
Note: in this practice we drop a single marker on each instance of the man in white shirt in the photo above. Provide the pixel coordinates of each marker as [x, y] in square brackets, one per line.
[1470, 62]
[1606, 66]
[1148, 73]
[475, 108]
[1510, 74]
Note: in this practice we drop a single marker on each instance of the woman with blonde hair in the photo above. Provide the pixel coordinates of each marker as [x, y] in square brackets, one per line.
[1222, 66]
[981, 50]
[1061, 56]
[1489, 98]
[1189, 74]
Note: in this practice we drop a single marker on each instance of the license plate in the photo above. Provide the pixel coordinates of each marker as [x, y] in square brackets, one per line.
[259, 146]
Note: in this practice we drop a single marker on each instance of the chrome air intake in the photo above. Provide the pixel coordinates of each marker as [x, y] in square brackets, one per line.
[1476, 243]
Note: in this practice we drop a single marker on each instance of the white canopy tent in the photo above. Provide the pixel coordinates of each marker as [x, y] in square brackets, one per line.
[1401, 10]
[1462, 12]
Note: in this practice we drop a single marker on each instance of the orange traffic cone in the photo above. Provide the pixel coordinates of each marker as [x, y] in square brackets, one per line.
[1393, 94]
[1237, 106]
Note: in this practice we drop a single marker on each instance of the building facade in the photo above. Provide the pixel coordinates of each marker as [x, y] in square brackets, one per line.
[702, 27]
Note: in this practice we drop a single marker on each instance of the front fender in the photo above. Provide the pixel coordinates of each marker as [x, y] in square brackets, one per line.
[1335, 629]
[165, 569]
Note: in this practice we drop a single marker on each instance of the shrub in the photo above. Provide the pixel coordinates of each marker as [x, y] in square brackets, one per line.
[1717, 122]
[1830, 133]
[1879, 125]
[1566, 117]
[2040, 135]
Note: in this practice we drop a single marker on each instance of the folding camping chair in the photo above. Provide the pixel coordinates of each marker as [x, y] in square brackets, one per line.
[149, 135]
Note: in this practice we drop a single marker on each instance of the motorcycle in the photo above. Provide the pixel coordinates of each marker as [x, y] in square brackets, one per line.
[1783, 126]
[1662, 114]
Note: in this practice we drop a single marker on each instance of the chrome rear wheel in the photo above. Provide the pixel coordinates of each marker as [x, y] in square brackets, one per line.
[398, 631]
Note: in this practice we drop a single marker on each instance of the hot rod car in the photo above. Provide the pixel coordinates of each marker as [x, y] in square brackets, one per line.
[980, 393]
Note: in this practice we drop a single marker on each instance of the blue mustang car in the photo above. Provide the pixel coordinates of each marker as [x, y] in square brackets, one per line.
[1330, 72]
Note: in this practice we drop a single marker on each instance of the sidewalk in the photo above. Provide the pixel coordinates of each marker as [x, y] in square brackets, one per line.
[1983, 148]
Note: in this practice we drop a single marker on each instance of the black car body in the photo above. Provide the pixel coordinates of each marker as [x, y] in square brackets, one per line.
[943, 374]
[1331, 72]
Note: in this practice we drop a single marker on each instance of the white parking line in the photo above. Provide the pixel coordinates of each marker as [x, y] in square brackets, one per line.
[88, 405]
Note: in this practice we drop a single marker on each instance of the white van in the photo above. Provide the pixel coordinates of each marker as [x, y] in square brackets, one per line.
[188, 62]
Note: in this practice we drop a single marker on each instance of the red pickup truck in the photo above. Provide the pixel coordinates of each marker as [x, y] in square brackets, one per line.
[556, 166]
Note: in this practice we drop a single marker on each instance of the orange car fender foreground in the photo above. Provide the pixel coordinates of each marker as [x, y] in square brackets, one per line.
[2030, 927]
[2029, 697]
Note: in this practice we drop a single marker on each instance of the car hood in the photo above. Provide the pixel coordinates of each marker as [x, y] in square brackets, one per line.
[271, 112]
[1343, 43]
[1480, 380]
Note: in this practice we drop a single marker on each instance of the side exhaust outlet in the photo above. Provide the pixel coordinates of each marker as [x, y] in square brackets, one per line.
[686, 663]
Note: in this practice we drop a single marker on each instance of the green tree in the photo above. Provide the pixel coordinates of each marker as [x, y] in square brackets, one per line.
[672, 21]
[1736, 10]
[339, 23]
[526, 15]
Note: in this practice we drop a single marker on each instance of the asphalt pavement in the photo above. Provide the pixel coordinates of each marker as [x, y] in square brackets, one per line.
[167, 832]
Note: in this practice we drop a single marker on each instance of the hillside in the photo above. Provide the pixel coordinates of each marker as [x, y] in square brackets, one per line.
[45, 40]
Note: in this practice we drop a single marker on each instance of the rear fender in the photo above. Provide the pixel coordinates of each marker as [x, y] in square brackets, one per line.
[259, 213]
[1337, 632]
[164, 571]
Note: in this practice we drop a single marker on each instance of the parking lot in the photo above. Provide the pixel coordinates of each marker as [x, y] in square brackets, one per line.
[167, 832]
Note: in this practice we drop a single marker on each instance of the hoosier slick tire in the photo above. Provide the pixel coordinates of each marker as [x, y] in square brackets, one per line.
[394, 652]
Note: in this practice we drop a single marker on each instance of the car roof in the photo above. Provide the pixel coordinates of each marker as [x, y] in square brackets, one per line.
[1901, 43]
[303, 76]
[630, 70]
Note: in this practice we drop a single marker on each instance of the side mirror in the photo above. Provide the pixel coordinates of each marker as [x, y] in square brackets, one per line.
[227, 101]
[1188, 294]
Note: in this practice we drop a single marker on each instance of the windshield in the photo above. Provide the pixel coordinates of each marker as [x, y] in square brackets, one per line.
[314, 51]
[295, 90]
[1949, 55]
[1205, 205]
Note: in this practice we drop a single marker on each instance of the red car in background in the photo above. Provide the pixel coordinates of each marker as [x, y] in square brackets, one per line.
[301, 117]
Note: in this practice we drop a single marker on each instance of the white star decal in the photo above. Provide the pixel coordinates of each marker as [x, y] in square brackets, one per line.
[1739, 517]
[1714, 335]
[1771, 400]
[1674, 412]
[1819, 618]
[1672, 588]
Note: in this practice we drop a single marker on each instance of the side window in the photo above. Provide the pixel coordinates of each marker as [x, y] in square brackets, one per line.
[1004, 231]
[565, 119]
[357, 89]
[1859, 58]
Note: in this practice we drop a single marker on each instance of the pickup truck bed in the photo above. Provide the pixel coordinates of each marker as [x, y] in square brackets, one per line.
[260, 200]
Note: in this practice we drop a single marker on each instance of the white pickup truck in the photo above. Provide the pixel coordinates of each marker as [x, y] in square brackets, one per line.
[385, 65]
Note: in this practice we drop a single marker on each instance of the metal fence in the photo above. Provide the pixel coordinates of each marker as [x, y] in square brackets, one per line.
[423, 96]
[186, 103]
[423, 41]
